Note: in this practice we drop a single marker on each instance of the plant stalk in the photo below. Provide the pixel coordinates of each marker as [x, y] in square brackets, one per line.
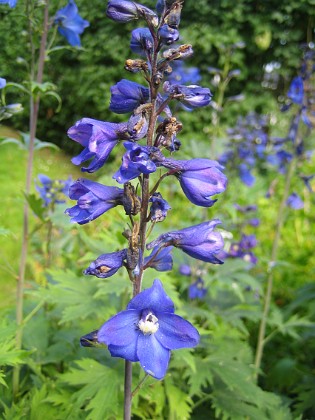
[274, 253]
[34, 108]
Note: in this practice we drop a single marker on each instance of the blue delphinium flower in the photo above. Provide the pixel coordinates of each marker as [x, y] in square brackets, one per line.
[3, 83]
[168, 35]
[135, 161]
[159, 208]
[197, 290]
[199, 178]
[295, 202]
[199, 241]
[11, 3]
[192, 96]
[127, 95]
[93, 198]
[106, 265]
[124, 11]
[147, 331]
[70, 23]
[159, 259]
[52, 191]
[98, 139]
[183, 75]
[185, 269]
[141, 41]
[296, 90]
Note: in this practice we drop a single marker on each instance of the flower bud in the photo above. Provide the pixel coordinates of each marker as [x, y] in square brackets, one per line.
[168, 35]
[135, 66]
[106, 265]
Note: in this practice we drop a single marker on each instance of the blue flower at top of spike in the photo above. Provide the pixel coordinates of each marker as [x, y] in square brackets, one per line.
[98, 139]
[199, 241]
[135, 161]
[125, 11]
[106, 265]
[70, 23]
[147, 331]
[295, 202]
[141, 41]
[199, 178]
[168, 35]
[52, 191]
[192, 96]
[3, 83]
[296, 90]
[160, 259]
[159, 208]
[11, 3]
[127, 96]
[93, 199]
[197, 290]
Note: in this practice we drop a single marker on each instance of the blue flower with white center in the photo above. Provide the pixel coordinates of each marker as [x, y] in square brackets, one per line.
[127, 96]
[147, 331]
[106, 265]
[93, 200]
[70, 23]
[98, 139]
[11, 3]
[199, 241]
[135, 161]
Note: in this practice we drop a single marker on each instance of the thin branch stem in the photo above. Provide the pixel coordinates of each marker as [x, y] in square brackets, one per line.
[34, 108]
[274, 253]
[140, 384]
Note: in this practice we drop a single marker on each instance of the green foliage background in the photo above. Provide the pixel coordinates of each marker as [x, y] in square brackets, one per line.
[60, 380]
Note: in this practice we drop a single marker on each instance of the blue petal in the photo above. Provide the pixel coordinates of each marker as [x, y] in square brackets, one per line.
[128, 352]
[153, 298]
[121, 329]
[153, 357]
[175, 332]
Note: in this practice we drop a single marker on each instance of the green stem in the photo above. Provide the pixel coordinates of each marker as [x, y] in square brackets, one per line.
[139, 386]
[274, 253]
[34, 108]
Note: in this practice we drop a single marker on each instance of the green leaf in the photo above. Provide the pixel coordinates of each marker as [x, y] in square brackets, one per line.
[180, 404]
[36, 204]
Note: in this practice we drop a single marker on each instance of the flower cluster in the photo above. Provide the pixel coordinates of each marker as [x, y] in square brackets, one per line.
[52, 191]
[148, 329]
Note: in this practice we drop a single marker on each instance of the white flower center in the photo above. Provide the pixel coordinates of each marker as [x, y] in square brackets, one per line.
[149, 325]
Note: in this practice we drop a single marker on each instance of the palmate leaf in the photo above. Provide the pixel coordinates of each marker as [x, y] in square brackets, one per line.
[98, 391]
[180, 404]
[201, 379]
[75, 296]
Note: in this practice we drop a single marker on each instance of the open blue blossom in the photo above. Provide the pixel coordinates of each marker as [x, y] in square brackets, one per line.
[11, 3]
[295, 202]
[199, 241]
[185, 269]
[296, 90]
[52, 191]
[98, 139]
[127, 96]
[135, 161]
[3, 83]
[192, 96]
[106, 265]
[168, 35]
[70, 23]
[199, 178]
[159, 208]
[141, 41]
[160, 259]
[183, 75]
[147, 331]
[93, 198]
[197, 290]
[125, 11]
